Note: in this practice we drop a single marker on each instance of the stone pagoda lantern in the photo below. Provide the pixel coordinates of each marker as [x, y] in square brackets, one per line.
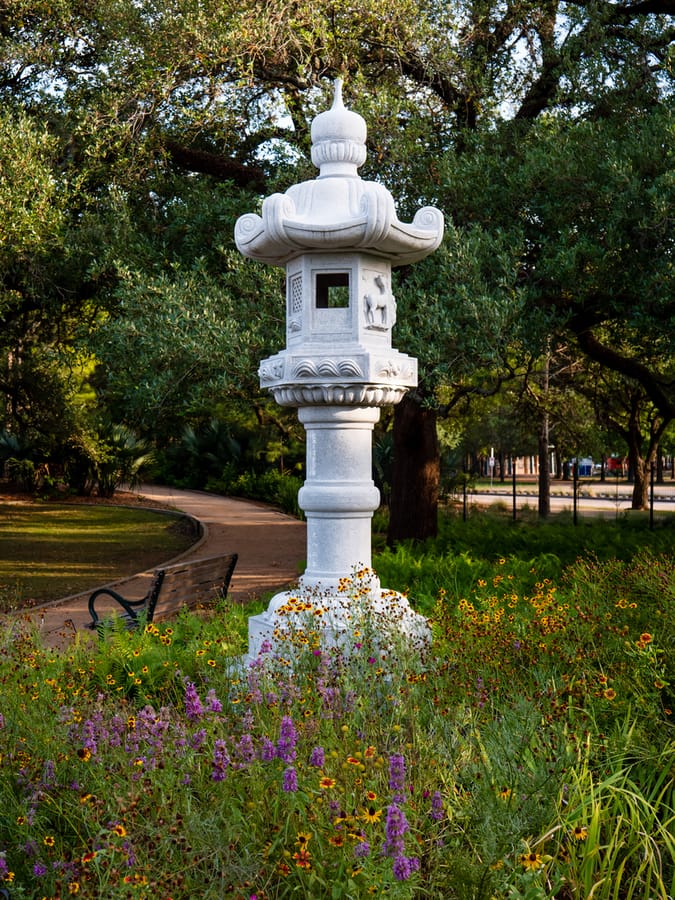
[337, 237]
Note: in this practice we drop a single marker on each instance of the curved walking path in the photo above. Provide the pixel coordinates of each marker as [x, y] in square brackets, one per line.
[271, 547]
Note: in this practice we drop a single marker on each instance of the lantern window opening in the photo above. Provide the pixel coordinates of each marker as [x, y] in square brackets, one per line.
[332, 290]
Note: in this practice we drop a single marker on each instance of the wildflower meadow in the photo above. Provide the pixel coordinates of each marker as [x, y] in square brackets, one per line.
[527, 753]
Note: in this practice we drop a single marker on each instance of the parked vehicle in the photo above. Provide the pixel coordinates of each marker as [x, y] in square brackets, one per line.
[584, 466]
[616, 465]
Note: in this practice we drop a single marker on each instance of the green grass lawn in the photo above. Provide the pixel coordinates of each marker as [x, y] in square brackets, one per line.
[49, 551]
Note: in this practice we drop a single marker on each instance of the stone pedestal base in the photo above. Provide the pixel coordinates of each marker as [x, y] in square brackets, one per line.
[333, 609]
[359, 613]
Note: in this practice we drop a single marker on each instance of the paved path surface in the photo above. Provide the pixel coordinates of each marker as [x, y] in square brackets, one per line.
[270, 544]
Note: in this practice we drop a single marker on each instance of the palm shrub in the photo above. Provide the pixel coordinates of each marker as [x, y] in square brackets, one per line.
[122, 459]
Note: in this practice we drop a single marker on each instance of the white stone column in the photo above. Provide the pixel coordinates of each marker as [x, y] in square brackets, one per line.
[339, 496]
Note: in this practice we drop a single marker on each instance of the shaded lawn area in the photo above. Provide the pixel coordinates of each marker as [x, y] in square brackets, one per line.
[53, 550]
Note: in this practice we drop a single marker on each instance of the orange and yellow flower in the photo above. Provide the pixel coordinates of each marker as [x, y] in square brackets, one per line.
[302, 859]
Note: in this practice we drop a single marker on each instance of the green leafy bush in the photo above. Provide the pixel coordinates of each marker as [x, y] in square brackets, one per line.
[279, 488]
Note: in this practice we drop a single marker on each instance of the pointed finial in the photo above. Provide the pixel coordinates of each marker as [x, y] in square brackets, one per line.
[337, 93]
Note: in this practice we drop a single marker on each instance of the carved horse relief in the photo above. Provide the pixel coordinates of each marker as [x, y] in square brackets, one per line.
[380, 305]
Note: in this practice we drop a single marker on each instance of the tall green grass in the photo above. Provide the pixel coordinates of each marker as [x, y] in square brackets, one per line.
[465, 550]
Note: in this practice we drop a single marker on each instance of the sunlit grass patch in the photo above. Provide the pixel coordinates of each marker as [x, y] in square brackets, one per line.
[50, 551]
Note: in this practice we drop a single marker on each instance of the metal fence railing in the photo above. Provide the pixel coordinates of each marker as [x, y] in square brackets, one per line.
[612, 496]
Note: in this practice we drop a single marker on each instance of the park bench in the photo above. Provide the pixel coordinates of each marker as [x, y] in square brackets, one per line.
[189, 583]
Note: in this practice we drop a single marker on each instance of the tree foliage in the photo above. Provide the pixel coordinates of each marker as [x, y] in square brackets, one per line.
[134, 133]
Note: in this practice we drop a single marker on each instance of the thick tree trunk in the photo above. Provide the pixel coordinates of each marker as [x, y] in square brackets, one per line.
[639, 461]
[416, 474]
[544, 502]
[640, 469]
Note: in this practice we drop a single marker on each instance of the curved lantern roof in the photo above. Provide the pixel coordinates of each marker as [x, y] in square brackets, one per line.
[338, 211]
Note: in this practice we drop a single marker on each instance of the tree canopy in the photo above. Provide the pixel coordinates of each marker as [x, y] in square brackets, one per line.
[136, 131]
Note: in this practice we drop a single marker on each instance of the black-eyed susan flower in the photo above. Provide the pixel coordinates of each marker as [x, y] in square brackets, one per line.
[119, 830]
[531, 861]
[371, 815]
[580, 833]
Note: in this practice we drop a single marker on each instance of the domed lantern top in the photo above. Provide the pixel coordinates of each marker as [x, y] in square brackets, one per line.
[337, 211]
[338, 139]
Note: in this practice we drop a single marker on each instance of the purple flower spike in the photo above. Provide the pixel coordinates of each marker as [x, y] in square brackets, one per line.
[437, 811]
[397, 777]
[193, 705]
[288, 738]
[404, 866]
[290, 780]
[317, 757]
[362, 850]
[221, 761]
[213, 703]
[397, 825]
